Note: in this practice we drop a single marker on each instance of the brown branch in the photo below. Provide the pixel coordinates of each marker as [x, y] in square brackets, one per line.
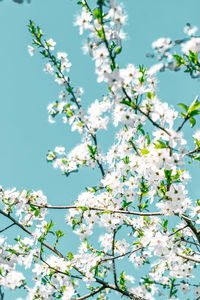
[188, 257]
[90, 294]
[7, 227]
[122, 255]
[192, 227]
[119, 211]
[178, 230]
[145, 114]
[189, 242]
[113, 255]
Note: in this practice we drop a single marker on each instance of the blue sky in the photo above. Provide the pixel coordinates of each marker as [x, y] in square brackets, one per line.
[26, 135]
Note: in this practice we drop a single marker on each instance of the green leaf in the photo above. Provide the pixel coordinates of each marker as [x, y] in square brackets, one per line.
[92, 150]
[37, 211]
[160, 145]
[194, 113]
[192, 122]
[150, 95]
[118, 50]
[129, 103]
[184, 106]
[32, 207]
[197, 143]
[70, 255]
[83, 208]
[122, 280]
[97, 13]
[179, 60]
[144, 151]
[183, 115]
[195, 106]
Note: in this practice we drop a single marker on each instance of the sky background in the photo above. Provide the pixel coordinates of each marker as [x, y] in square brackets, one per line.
[25, 90]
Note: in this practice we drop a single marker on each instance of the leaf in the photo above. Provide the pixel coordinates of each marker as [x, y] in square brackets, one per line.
[129, 103]
[183, 115]
[83, 208]
[144, 151]
[32, 207]
[160, 145]
[97, 13]
[106, 212]
[195, 106]
[70, 255]
[179, 60]
[192, 121]
[150, 95]
[37, 211]
[183, 106]
[118, 50]
[194, 113]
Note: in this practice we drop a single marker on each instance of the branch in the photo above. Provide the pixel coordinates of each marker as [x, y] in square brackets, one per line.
[119, 211]
[7, 227]
[192, 227]
[190, 242]
[145, 114]
[122, 255]
[178, 230]
[90, 294]
[113, 261]
[1, 294]
[181, 126]
[188, 257]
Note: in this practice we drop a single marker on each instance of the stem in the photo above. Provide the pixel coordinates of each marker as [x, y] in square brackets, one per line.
[192, 227]
[7, 228]
[178, 230]
[104, 37]
[134, 213]
[90, 294]
[1, 294]
[113, 261]
[145, 114]
[188, 257]
[181, 126]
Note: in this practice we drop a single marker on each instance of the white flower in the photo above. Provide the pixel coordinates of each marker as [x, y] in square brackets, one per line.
[48, 68]
[184, 287]
[190, 30]
[193, 44]
[197, 135]
[51, 44]
[61, 55]
[197, 291]
[60, 150]
[162, 45]
[83, 21]
[31, 50]
[156, 68]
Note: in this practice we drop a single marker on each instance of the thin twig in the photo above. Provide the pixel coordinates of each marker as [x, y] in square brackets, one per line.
[7, 227]
[117, 211]
[188, 257]
[113, 261]
[90, 294]
[178, 230]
